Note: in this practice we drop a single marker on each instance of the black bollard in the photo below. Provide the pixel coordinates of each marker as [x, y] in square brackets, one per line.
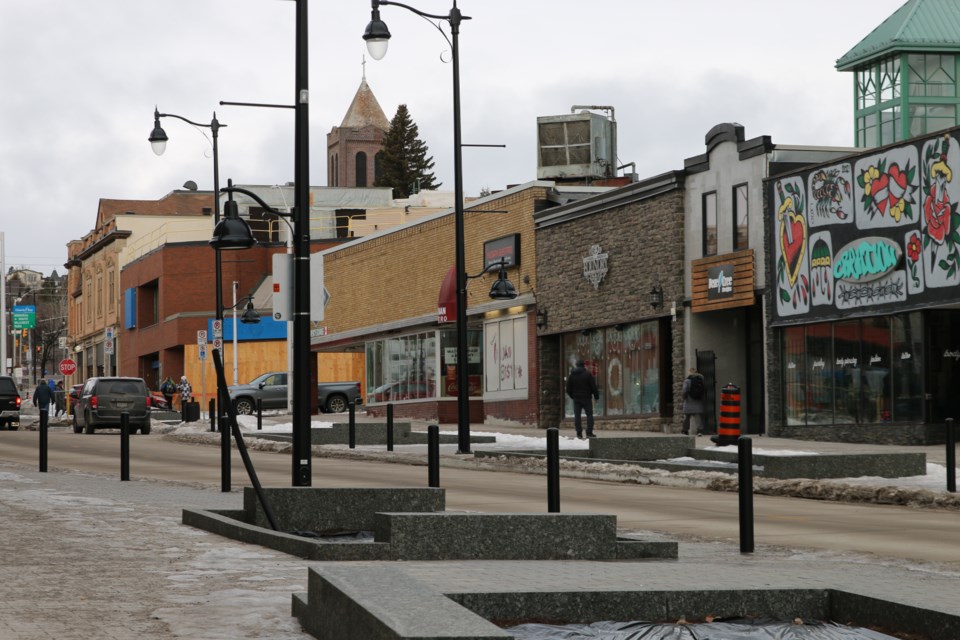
[951, 457]
[211, 411]
[352, 427]
[124, 446]
[44, 426]
[390, 427]
[745, 477]
[553, 470]
[433, 456]
[259, 414]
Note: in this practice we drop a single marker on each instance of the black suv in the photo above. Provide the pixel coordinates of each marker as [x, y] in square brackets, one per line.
[102, 400]
[9, 403]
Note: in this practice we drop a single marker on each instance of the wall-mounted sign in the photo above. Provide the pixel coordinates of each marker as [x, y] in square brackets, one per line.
[595, 266]
[506, 248]
[720, 282]
[866, 260]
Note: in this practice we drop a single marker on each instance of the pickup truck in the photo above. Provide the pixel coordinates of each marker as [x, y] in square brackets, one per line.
[271, 390]
[9, 404]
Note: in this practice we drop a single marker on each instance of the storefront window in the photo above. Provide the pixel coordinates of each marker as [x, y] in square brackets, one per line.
[907, 356]
[448, 363]
[625, 359]
[402, 368]
[854, 372]
[794, 364]
[505, 351]
[819, 369]
[849, 373]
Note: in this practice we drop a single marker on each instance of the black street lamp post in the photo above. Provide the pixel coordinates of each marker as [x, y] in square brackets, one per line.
[158, 140]
[377, 35]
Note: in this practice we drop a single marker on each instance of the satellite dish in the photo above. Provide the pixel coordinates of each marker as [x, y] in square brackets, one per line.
[190, 185]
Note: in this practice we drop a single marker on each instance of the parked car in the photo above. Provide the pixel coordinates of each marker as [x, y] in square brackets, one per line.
[103, 400]
[9, 403]
[402, 390]
[158, 402]
[271, 390]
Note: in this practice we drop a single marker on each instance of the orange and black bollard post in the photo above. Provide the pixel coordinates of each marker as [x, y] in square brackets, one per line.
[728, 430]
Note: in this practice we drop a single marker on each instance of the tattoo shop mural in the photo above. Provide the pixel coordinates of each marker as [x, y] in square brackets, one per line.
[876, 233]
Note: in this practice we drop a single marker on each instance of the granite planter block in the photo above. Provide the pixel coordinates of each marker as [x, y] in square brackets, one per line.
[381, 602]
[410, 524]
[370, 433]
[499, 536]
[827, 465]
[325, 509]
[651, 448]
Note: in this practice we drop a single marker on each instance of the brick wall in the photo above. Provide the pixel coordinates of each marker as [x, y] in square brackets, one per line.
[644, 241]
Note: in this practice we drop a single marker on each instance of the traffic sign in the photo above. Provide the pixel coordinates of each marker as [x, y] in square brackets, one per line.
[218, 343]
[108, 346]
[68, 367]
[24, 316]
[202, 336]
[218, 329]
[202, 350]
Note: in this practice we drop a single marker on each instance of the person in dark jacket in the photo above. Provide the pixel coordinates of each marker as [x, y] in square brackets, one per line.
[693, 407]
[41, 399]
[582, 389]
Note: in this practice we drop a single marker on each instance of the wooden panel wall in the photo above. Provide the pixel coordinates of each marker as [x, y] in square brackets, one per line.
[743, 281]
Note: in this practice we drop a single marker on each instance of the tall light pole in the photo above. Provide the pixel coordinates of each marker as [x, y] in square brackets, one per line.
[302, 470]
[158, 140]
[377, 36]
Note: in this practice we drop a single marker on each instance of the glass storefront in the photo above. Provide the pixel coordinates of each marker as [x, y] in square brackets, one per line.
[859, 371]
[626, 361]
[411, 367]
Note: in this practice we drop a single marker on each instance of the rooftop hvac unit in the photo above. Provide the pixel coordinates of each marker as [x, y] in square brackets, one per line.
[576, 146]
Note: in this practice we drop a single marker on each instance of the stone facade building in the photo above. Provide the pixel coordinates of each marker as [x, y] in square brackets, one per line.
[607, 267]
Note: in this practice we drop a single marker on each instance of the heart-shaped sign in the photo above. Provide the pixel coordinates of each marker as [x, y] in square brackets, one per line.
[793, 245]
[879, 189]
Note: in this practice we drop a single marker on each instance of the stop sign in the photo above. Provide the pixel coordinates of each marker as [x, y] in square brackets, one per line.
[68, 367]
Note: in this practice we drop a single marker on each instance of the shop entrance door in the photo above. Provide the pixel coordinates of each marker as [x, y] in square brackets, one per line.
[943, 366]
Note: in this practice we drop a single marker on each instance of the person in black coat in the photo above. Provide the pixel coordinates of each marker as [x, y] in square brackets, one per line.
[41, 399]
[582, 389]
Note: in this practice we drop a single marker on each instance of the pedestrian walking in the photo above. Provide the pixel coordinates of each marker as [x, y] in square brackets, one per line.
[168, 388]
[60, 399]
[41, 399]
[582, 389]
[693, 393]
[186, 392]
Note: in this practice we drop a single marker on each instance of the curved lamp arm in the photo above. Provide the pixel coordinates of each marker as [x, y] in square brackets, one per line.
[283, 215]
[500, 264]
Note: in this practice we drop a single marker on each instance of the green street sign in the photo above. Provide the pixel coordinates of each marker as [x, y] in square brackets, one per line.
[24, 316]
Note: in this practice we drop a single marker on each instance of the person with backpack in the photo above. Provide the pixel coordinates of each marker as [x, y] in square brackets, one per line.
[693, 394]
[168, 388]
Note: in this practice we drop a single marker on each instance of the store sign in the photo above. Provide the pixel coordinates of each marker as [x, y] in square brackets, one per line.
[595, 266]
[720, 282]
[506, 249]
[866, 260]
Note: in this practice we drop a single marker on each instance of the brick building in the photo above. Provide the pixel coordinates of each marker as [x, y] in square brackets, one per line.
[386, 291]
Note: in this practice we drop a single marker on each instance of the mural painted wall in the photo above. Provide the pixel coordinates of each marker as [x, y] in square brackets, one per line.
[873, 234]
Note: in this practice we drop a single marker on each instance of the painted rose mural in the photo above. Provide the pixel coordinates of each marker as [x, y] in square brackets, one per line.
[894, 240]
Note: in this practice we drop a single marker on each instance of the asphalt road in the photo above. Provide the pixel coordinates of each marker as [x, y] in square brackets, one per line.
[888, 531]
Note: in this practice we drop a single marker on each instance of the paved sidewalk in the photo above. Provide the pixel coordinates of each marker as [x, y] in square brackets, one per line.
[91, 557]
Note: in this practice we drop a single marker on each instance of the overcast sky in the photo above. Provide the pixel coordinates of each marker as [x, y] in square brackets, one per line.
[79, 82]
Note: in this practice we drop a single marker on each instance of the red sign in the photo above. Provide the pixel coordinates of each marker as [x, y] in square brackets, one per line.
[447, 301]
[68, 367]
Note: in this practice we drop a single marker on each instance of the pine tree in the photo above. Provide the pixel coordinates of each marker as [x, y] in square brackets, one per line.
[404, 163]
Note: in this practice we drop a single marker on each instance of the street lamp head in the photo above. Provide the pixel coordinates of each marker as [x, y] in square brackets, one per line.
[503, 289]
[158, 137]
[232, 232]
[376, 35]
[250, 315]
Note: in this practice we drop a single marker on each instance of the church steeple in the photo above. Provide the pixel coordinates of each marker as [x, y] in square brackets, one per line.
[352, 147]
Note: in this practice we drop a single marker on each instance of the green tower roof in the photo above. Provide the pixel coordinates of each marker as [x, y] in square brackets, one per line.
[919, 25]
